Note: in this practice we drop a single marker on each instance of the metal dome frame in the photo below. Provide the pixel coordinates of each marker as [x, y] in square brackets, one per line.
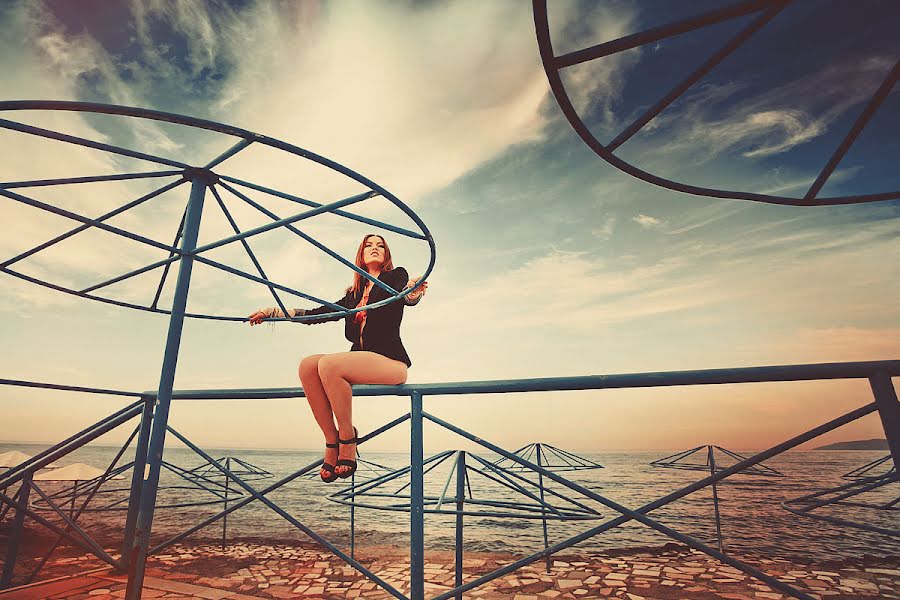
[200, 177]
[765, 11]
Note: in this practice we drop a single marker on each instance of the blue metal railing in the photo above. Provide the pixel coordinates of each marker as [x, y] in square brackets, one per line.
[878, 373]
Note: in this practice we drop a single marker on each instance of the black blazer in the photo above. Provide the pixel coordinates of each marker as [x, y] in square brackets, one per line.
[382, 331]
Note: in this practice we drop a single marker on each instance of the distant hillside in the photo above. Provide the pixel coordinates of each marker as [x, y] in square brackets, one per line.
[875, 444]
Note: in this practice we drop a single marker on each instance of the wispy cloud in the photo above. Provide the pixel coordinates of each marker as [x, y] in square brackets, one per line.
[732, 117]
[647, 222]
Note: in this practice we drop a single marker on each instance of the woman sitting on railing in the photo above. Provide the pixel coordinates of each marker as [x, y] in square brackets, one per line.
[377, 355]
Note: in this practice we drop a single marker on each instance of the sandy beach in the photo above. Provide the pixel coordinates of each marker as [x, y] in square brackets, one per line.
[267, 569]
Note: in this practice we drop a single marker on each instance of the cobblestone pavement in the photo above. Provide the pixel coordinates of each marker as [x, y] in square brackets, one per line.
[244, 571]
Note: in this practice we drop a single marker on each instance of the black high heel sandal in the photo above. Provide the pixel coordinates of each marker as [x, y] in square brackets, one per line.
[346, 462]
[332, 476]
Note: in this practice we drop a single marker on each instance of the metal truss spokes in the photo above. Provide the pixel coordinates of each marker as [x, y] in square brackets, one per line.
[687, 460]
[870, 469]
[463, 468]
[640, 514]
[203, 176]
[203, 480]
[260, 495]
[857, 494]
[243, 469]
[549, 457]
[25, 505]
[761, 13]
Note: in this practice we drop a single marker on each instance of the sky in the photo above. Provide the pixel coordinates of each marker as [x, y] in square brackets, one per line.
[549, 262]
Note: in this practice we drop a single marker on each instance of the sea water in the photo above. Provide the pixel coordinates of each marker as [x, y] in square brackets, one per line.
[752, 518]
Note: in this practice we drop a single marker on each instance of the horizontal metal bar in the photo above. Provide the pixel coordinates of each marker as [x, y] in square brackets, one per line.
[763, 374]
[71, 139]
[89, 179]
[68, 388]
[341, 213]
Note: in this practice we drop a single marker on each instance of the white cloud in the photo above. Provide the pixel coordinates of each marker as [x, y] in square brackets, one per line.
[647, 222]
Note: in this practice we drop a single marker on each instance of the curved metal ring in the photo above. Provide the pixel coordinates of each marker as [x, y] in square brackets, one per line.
[552, 69]
[248, 137]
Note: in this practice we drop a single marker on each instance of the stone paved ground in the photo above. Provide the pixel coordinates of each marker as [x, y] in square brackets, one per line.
[248, 570]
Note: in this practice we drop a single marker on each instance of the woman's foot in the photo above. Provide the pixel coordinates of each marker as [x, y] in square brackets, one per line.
[346, 464]
[327, 471]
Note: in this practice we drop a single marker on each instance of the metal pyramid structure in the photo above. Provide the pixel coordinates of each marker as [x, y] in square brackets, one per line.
[858, 499]
[869, 469]
[241, 468]
[711, 459]
[516, 496]
[550, 457]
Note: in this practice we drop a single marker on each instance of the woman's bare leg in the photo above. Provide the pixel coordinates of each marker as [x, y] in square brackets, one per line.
[318, 402]
[339, 371]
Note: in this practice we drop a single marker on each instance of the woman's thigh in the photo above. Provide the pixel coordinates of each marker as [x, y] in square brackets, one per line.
[363, 367]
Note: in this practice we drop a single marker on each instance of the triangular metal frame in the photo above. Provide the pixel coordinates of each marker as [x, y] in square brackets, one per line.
[550, 457]
[680, 460]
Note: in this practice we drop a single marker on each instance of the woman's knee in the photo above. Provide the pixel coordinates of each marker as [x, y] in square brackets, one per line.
[328, 366]
[309, 367]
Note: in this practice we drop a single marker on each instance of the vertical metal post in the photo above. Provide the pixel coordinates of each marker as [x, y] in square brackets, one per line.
[416, 502]
[72, 500]
[137, 479]
[543, 510]
[353, 517]
[138, 559]
[12, 550]
[889, 411]
[711, 461]
[225, 516]
[460, 504]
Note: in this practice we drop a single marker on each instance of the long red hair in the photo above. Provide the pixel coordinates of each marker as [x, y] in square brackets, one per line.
[388, 264]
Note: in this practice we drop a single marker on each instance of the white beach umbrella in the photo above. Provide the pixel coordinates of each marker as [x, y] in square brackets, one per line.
[73, 472]
[14, 458]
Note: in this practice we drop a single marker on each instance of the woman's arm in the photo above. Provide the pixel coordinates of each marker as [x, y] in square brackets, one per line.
[273, 313]
[276, 313]
[413, 298]
[399, 280]
[345, 302]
